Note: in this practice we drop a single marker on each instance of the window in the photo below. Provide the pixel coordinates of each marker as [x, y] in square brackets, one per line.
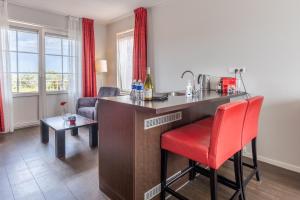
[25, 53]
[24, 60]
[125, 60]
[57, 63]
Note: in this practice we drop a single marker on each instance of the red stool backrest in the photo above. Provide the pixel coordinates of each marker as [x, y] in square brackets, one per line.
[250, 129]
[226, 132]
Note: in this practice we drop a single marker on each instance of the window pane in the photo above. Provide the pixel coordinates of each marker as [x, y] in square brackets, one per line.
[66, 64]
[14, 82]
[53, 82]
[12, 37]
[28, 41]
[28, 62]
[13, 61]
[28, 82]
[53, 64]
[66, 47]
[66, 81]
[53, 45]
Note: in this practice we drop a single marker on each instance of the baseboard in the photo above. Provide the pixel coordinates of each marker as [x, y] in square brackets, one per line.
[277, 163]
[26, 124]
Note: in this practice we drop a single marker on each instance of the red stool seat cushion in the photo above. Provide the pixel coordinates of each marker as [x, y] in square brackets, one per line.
[190, 141]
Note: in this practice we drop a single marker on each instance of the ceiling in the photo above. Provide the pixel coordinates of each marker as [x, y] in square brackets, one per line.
[104, 11]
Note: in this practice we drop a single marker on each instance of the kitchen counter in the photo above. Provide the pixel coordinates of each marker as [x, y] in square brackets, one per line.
[129, 141]
[173, 102]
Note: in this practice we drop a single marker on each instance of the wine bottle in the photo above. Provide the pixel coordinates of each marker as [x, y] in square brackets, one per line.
[148, 87]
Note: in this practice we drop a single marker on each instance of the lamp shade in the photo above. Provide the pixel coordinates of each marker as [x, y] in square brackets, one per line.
[101, 66]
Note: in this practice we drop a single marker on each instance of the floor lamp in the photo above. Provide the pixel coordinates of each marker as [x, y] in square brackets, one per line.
[101, 67]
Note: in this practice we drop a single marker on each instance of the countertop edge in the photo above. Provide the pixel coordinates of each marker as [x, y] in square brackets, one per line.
[175, 107]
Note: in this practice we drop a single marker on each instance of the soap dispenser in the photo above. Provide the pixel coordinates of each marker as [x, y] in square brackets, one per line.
[189, 89]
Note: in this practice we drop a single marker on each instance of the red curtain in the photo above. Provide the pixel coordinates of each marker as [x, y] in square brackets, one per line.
[88, 59]
[140, 45]
[2, 127]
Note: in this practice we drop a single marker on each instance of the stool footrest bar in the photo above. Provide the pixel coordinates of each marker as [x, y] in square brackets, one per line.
[247, 180]
[175, 194]
[235, 195]
[248, 165]
[183, 172]
[221, 179]
[244, 164]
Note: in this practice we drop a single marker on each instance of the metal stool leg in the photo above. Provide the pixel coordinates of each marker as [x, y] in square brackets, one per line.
[192, 174]
[254, 155]
[242, 175]
[213, 184]
[164, 167]
[238, 174]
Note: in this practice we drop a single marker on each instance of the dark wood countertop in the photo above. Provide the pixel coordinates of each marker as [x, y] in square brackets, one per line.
[173, 103]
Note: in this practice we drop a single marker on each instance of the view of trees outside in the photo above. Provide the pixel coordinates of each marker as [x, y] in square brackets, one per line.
[56, 82]
[24, 58]
[27, 83]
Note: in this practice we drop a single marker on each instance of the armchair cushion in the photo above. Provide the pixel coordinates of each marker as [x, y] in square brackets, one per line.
[108, 92]
[87, 102]
[88, 106]
[88, 112]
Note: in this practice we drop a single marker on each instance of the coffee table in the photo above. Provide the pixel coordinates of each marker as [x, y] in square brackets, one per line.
[59, 125]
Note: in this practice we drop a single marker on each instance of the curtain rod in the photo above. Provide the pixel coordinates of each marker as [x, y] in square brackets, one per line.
[124, 32]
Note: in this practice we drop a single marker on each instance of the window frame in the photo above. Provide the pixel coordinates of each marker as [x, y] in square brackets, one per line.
[61, 36]
[42, 30]
[25, 28]
[129, 32]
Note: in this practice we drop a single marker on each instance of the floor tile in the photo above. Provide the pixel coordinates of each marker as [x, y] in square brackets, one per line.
[49, 181]
[27, 190]
[5, 189]
[59, 192]
[19, 177]
[16, 167]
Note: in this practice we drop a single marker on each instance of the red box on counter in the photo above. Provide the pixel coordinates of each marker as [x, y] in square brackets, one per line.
[228, 84]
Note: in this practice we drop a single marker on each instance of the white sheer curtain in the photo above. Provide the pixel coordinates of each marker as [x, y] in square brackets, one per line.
[5, 69]
[125, 60]
[75, 80]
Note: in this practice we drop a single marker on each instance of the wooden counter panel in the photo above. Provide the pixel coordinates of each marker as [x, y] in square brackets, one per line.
[116, 150]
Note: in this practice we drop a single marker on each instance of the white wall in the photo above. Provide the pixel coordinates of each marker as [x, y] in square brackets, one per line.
[262, 35]
[26, 109]
[29, 15]
[100, 49]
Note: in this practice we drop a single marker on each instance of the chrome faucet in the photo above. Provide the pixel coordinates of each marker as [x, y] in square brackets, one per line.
[187, 71]
[194, 80]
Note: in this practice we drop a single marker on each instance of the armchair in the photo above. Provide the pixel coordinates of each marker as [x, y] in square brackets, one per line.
[87, 106]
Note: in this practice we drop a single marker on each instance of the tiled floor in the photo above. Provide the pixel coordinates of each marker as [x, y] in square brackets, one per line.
[29, 170]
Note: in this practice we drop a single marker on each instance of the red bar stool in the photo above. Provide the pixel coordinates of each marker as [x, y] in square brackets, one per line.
[250, 131]
[210, 146]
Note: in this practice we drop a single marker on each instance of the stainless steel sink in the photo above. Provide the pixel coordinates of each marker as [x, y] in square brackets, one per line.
[174, 94]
